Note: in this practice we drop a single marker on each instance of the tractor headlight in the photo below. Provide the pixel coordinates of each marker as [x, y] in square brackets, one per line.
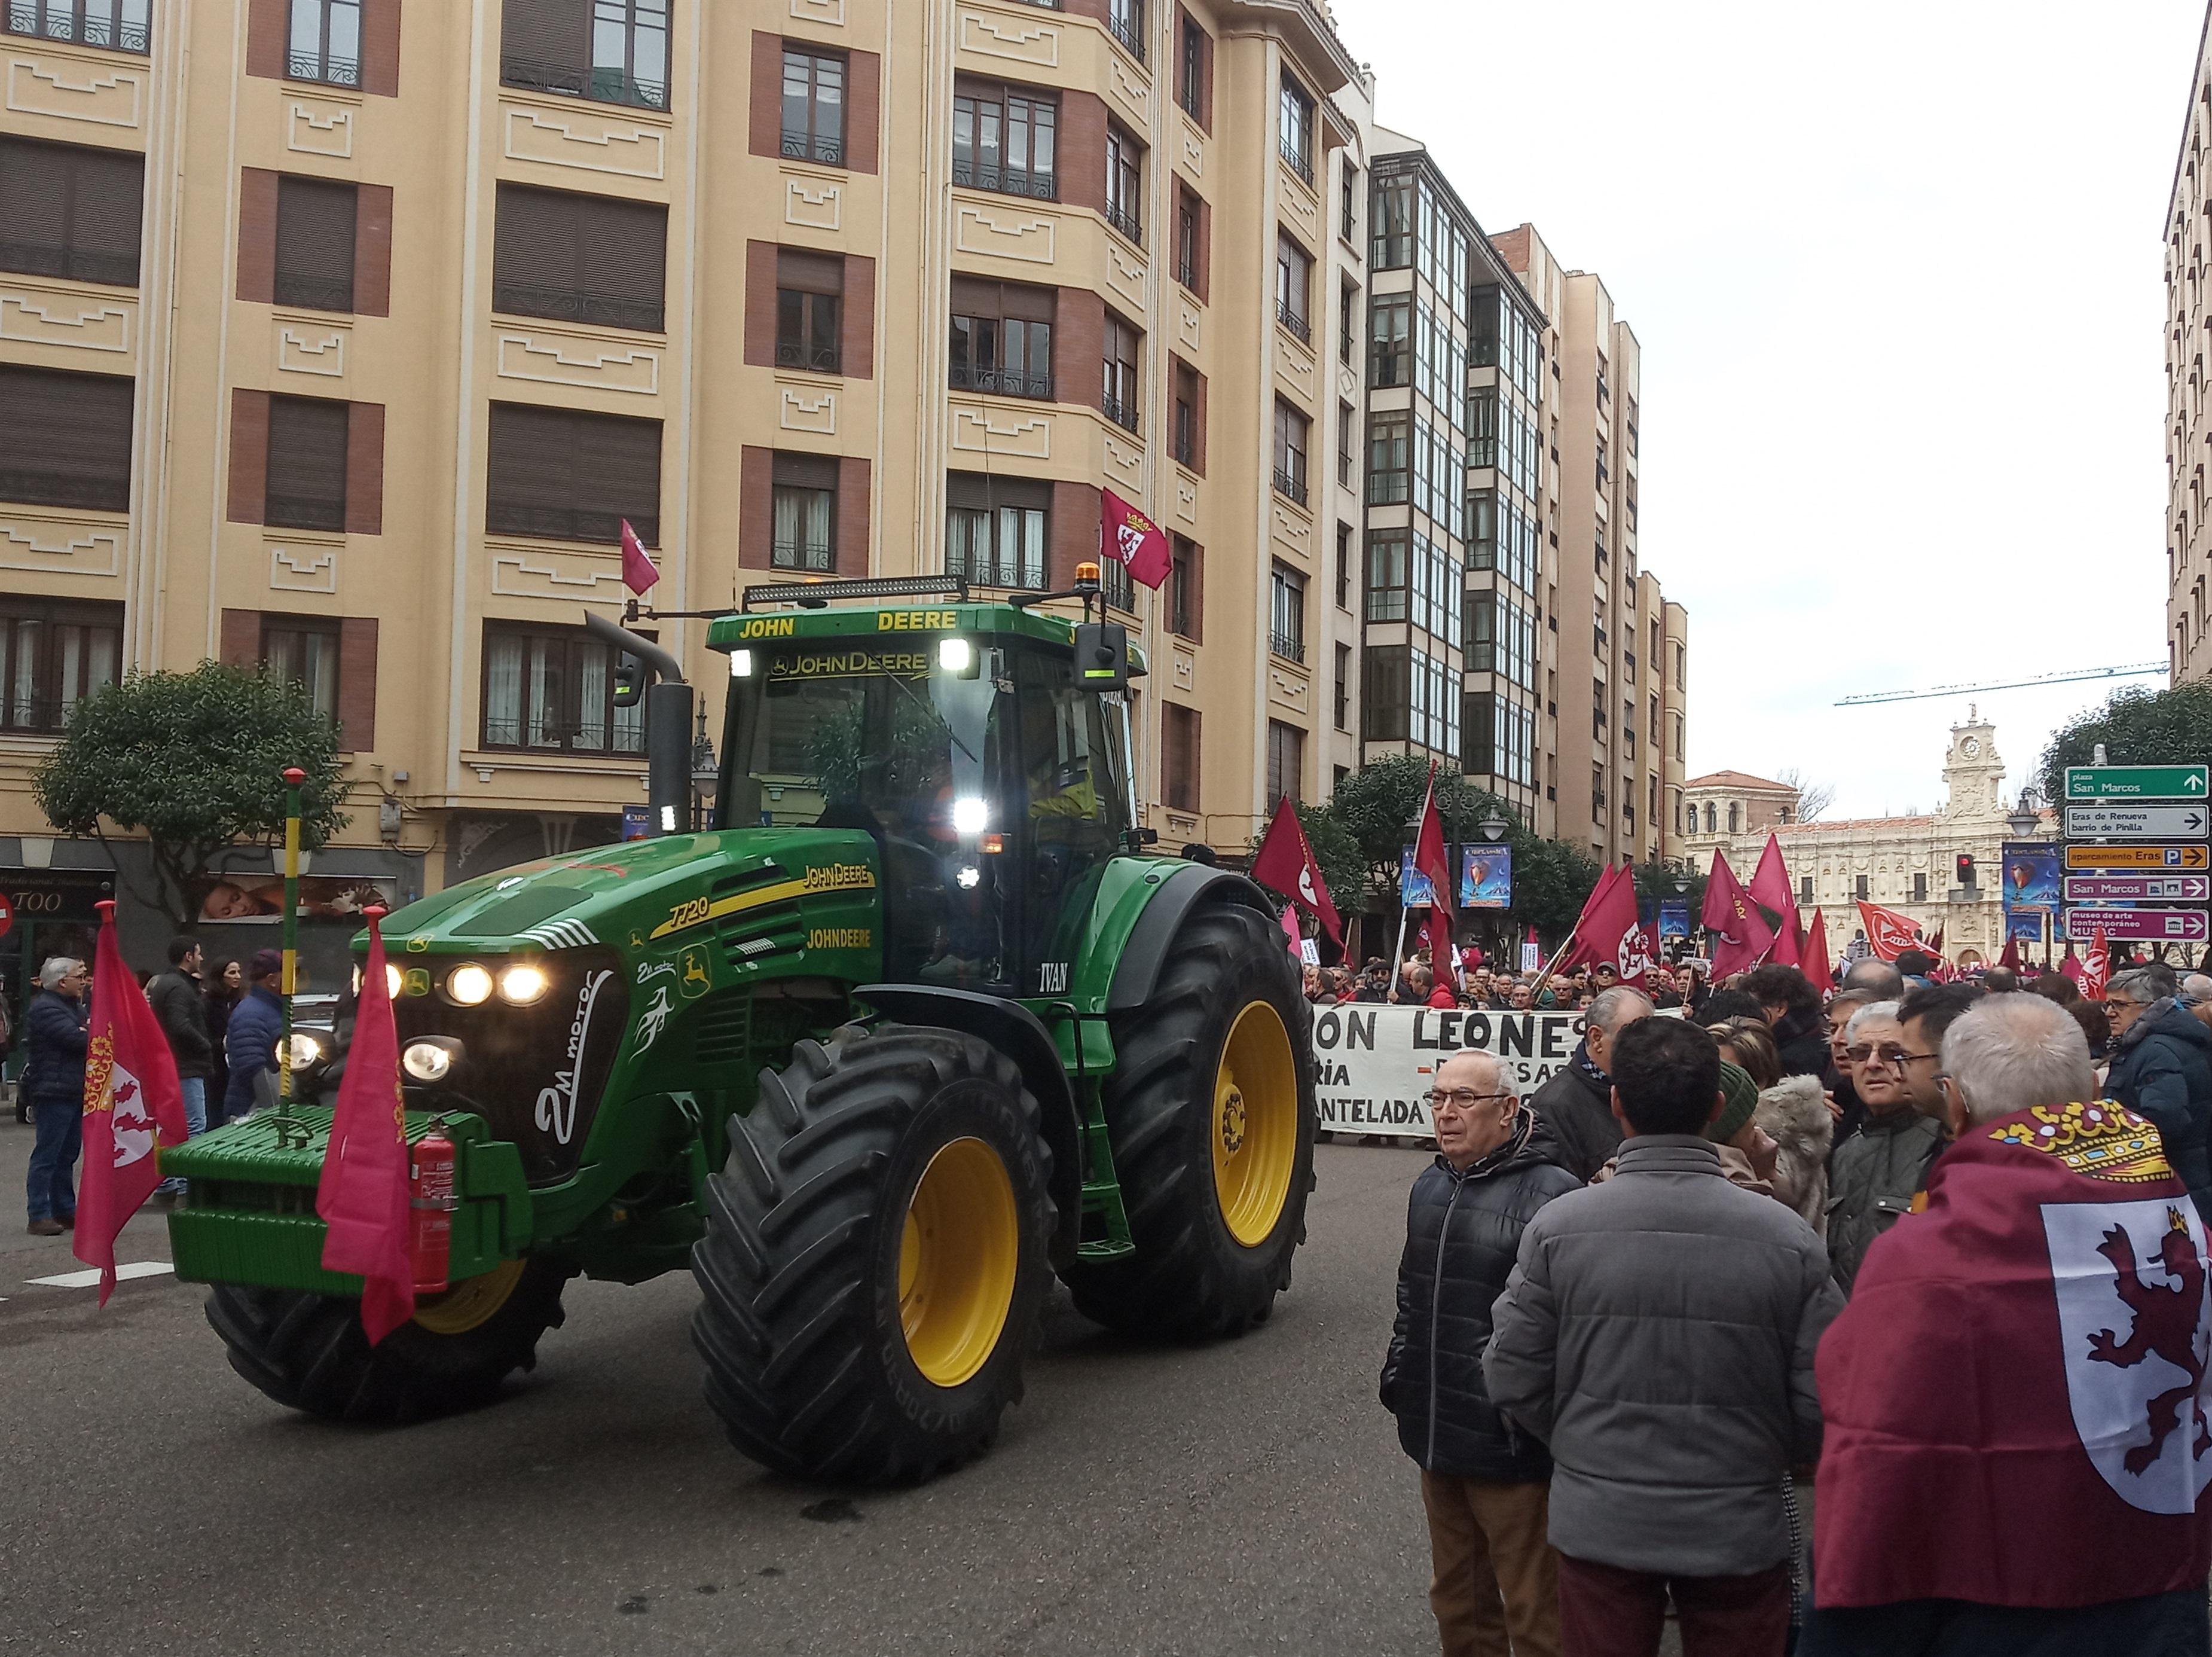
[470, 985]
[968, 877]
[741, 664]
[394, 980]
[970, 813]
[305, 1049]
[523, 984]
[956, 655]
[430, 1059]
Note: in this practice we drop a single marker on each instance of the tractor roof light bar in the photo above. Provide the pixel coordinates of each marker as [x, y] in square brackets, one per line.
[817, 594]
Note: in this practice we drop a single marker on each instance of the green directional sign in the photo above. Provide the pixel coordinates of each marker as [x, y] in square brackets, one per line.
[2136, 782]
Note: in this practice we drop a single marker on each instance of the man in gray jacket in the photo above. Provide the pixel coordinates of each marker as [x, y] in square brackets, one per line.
[1658, 1333]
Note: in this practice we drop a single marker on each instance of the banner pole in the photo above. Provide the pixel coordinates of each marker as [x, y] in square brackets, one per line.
[1398, 953]
[1551, 965]
[293, 777]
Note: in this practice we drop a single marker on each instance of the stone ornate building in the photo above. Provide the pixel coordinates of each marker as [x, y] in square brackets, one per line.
[1905, 864]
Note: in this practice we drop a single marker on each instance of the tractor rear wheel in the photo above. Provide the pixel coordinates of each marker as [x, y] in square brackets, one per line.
[874, 1265]
[1211, 1113]
[309, 1351]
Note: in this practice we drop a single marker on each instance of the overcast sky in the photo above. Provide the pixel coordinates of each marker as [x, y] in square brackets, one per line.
[1897, 274]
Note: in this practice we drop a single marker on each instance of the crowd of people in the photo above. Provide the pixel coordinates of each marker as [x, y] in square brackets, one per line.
[1500, 992]
[1781, 1242]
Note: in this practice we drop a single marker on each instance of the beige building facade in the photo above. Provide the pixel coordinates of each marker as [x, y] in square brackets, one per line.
[2188, 435]
[344, 336]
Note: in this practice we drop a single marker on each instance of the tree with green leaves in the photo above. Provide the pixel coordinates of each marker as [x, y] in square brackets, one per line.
[2137, 727]
[195, 762]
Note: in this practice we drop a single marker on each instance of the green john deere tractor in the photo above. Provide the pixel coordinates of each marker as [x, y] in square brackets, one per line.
[917, 1024]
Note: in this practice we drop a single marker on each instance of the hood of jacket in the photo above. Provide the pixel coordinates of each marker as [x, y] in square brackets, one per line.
[1794, 1114]
[2167, 1017]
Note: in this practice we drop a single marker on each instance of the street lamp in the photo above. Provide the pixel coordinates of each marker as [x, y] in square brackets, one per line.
[705, 773]
[2027, 817]
[1493, 826]
[1681, 882]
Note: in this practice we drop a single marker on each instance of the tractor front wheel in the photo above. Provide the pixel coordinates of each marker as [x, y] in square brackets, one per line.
[1211, 1112]
[309, 1351]
[874, 1263]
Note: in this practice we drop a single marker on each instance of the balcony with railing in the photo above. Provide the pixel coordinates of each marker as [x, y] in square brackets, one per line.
[81, 22]
[568, 523]
[71, 263]
[812, 556]
[1291, 484]
[826, 148]
[313, 293]
[1126, 24]
[811, 357]
[1005, 180]
[1184, 445]
[328, 69]
[1187, 274]
[1294, 321]
[1296, 159]
[1000, 382]
[577, 305]
[1289, 646]
[1123, 216]
[50, 488]
[304, 511]
[1122, 414]
[601, 86]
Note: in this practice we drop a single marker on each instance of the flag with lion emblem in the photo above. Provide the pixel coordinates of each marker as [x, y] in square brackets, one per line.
[1128, 537]
[133, 1105]
[2015, 1397]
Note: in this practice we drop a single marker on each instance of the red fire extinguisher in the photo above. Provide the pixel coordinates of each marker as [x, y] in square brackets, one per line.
[432, 1196]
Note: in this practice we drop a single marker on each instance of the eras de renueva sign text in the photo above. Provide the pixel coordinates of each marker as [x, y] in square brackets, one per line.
[1373, 1063]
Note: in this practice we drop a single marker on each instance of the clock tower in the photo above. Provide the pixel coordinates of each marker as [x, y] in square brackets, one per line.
[1973, 774]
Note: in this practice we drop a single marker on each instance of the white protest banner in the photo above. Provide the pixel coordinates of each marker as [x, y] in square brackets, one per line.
[1373, 1063]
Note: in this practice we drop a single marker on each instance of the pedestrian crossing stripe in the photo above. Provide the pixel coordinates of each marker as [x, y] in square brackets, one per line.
[90, 1276]
[562, 934]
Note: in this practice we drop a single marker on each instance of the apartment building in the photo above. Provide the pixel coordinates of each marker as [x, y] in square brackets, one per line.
[343, 335]
[2188, 538]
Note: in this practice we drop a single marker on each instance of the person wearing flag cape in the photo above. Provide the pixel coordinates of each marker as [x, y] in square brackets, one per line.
[2017, 1447]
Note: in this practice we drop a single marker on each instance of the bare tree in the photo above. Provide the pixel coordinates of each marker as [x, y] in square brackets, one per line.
[1813, 799]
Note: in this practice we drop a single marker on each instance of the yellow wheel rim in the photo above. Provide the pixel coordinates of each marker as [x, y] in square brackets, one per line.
[956, 1259]
[470, 1302]
[1255, 1123]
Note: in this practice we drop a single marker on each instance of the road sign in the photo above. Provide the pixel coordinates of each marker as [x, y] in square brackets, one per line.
[2110, 822]
[2136, 782]
[2138, 889]
[2153, 925]
[2138, 857]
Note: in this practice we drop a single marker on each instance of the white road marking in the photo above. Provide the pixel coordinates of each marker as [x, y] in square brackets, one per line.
[90, 1276]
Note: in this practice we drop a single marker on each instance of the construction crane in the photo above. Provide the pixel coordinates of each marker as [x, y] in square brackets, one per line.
[2135, 670]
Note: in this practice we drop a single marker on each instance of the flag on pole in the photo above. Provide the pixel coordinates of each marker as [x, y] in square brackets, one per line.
[1813, 959]
[1609, 930]
[1443, 959]
[133, 1105]
[2096, 968]
[1890, 933]
[1770, 889]
[638, 571]
[2010, 958]
[1289, 922]
[364, 1196]
[1128, 537]
[1739, 932]
[1285, 862]
[1429, 857]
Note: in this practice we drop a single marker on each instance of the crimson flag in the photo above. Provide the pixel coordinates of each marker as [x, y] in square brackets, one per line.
[1890, 933]
[364, 1196]
[1739, 933]
[2010, 959]
[1285, 862]
[638, 571]
[1288, 920]
[1770, 889]
[2012, 1396]
[1609, 930]
[1429, 857]
[133, 1104]
[1128, 537]
[2096, 968]
[1812, 960]
[1443, 962]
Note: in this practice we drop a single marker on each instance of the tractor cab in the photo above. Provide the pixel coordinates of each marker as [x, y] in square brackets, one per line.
[959, 737]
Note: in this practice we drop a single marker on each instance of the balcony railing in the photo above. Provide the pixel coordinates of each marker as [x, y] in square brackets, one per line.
[603, 86]
[1006, 180]
[1003, 382]
[313, 293]
[568, 523]
[1128, 30]
[1187, 274]
[62, 23]
[1179, 623]
[812, 556]
[1122, 414]
[577, 305]
[330, 71]
[1296, 160]
[797, 354]
[1289, 646]
[47, 488]
[1292, 485]
[1295, 322]
[548, 735]
[303, 512]
[37, 259]
[1185, 445]
[1123, 218]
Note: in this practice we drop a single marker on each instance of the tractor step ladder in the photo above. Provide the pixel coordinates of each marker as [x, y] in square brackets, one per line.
[1102, 1191]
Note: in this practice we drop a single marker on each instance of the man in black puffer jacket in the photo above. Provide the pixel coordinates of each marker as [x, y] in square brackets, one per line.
[1484, 1483]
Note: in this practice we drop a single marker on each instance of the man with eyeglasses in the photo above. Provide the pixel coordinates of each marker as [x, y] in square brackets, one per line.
[1874, 1179]
[2162, 1071]
[1483, 1483]
[1927, 1011]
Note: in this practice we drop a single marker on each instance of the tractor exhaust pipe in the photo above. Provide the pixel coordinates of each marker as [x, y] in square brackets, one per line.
[667, 723]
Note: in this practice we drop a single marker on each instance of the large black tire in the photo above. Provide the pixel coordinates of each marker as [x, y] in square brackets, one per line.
[804, 1326]
[1192, 1277]
[309, 1351]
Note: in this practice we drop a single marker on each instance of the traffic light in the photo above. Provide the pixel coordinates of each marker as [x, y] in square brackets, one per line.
[1965, 869]
[629, 682]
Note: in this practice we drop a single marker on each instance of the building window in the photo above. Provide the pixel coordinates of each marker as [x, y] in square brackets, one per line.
[1859, 888]
[1286, 762]
[578, 259]
[1390, 340]
[1920, 888]
[1186, 594]
[69, 211]
[1293, 287]
[1004, 138]
[64, 438]
[1343, 702]
[1125, 205]
[1388, 574]
[53, 652]
[566, 475]
[1114, 582]
[997, 529]
[1347, 436]
[1188, 439]
[1735, 816]
[1804, 888]
[306, 480]
[1190, 73]
[325, 42]
[315, 221]
[1287, 614]
[1347, 203]
[1187, 254]
[803, 535]
[1118, 398]
[1296, 137]
[304, 649]
[553, 688]
[1179, 756]
[1002, 337]
[1347, 323]
[1384, 697]
[1389, 458]
[810, 302]
[1125, 19]
[1391, 225]
[1597, 794]
[813, 105]
[118, 24]
[612, 52]
[1344, 566]
[1292, 430]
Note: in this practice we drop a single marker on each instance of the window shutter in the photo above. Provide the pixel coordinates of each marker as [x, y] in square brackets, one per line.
[572, 476]
[33, 208]
[618, 475]
[1031, 304]
[531, 248]
[527, 483]
[973, 296]
[547, 34]
[807, 471]
[111, 186]
[307, 462]
[810, 273]
[64, 438]
[587, 258]
[315, 223]
[622, 258]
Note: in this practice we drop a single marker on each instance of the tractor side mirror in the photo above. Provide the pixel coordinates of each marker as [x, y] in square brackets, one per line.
[1102, 655]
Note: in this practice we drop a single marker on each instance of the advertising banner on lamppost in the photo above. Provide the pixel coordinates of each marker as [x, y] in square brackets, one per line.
[1486, 877]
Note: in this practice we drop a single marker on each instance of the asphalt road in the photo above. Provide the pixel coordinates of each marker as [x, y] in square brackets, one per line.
[1245, 1497]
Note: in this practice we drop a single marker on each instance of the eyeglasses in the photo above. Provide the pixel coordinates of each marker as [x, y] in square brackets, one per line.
[1458, 1098]
[1889, 1054]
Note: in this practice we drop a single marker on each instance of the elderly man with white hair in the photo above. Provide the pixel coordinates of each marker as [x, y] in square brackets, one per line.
[2015, 1448]
[1875, 1173]
[1484, 1484]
